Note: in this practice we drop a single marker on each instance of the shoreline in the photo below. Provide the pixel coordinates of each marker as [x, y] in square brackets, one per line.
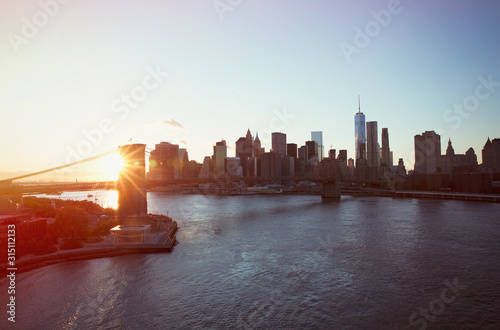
[97, 251]
[485, 198]
[87, 254]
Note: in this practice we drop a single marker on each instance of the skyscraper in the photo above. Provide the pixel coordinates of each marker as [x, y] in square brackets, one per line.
[312, 150]
[219, 157]
[427, 152]
[278, 141]
[491, 155]
[257, 146]
[386, 153]
[317, 136]
[302, 152]
[343, 155]
[372, 146]
[162, 160]
[359, 135]
[291, 150]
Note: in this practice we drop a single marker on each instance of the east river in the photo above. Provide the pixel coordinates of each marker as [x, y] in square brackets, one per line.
[284, 262]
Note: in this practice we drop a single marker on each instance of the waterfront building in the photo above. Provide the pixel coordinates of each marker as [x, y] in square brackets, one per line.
[450, 160]
[491, 156]
[359, 136]
[131, 234]
[332, 154]
[317, 136]
[278, 141]
[428, 153]
[219, 157]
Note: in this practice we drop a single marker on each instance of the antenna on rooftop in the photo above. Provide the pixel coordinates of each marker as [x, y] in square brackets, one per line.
[359, 105]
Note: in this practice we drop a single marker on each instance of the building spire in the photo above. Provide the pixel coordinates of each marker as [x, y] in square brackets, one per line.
[359, 105]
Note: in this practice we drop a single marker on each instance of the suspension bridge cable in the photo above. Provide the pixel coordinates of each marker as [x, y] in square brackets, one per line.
[61, 167]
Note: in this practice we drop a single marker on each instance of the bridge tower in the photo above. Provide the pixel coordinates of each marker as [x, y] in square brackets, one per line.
[132, 199]
[331, 182]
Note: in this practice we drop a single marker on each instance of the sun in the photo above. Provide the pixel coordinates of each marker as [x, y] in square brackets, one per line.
[112, 166]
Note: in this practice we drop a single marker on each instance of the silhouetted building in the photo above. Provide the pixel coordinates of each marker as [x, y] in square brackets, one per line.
[372, 146]
[241, 147]
[343, 155]
[219, 157]
[312, 151]
[287, 166]
[428, 153]
[303, 152]
[257, 146]
[332, 154]
[401, 170]
[491, 156]
[451, 161]
[162, 160]
[278, 141]
[270, 164]
[359, 136]
[385, 159]
[291, 150]
[246, 151]
[317, 136]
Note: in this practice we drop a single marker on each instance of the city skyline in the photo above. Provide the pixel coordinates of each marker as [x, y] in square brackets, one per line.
[188, 73]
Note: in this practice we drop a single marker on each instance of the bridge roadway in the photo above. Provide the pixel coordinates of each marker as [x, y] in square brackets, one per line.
[42, 188]
[51, 187]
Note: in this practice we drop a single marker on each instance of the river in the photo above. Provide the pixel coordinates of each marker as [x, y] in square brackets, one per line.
[284, 262]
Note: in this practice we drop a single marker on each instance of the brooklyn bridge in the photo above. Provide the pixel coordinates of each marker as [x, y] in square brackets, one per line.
[132, 184]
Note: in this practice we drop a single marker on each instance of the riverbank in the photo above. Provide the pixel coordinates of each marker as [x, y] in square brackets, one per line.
[107, 249]
[425, 194]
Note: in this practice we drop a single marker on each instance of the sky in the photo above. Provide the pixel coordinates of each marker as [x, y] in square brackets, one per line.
[79, 78]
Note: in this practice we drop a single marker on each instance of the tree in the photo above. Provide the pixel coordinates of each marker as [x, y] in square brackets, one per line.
[72, 222]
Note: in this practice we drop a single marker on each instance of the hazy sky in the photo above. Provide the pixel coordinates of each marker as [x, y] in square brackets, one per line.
[204, 70]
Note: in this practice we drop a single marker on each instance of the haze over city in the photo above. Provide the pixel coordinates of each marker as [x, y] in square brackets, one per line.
[211, 73]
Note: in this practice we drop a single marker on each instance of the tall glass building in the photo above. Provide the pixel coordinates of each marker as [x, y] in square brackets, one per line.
[278, 142]
[317, 136]
[360, 136]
